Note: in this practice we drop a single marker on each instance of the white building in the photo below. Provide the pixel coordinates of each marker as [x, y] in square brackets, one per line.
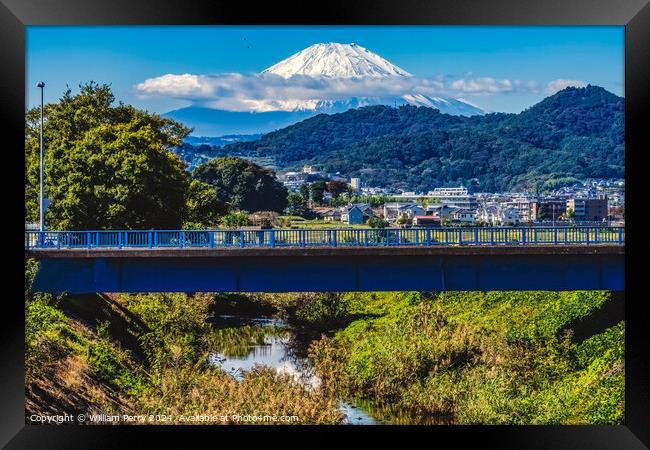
[458, 197]
[355, 183]
[464, 216]
[496, 215]
[508, 216]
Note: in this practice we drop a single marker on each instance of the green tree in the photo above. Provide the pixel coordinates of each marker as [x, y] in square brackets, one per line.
[243, 184]
[337, 188]
[107, 166]
[297, 205]
[570, 213]
[377, 222]
[204, 209]
[402, 219]
[304, 192]
[317, 189]
[236, 220]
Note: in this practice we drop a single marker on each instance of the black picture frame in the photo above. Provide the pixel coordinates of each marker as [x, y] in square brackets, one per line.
[633, 14]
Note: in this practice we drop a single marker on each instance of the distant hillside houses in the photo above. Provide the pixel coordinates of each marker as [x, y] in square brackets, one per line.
[458, 207]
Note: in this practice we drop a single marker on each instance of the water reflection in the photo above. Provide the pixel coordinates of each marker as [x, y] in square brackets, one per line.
[242, 342]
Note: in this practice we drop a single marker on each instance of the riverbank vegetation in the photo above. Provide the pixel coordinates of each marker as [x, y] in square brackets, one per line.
[489, 358]
[467, 358]
[146, 354]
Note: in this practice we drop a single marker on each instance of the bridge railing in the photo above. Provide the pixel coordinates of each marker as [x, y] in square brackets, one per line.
[339, 237]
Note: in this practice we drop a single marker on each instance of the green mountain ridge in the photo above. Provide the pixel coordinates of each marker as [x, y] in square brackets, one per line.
[575, 133]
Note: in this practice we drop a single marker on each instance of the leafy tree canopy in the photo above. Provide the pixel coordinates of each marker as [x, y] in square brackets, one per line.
[243, 184]
[107, 166]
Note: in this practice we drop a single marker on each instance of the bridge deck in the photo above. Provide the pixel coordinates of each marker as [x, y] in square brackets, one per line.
[287, 260]
[199, 252]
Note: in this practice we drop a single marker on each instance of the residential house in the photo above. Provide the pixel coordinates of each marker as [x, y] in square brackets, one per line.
[463, 215]
[426, 221]
[443, 211]
[356, 214]
[392, 211]
[508, 216]
[488, 214]
[328, 214]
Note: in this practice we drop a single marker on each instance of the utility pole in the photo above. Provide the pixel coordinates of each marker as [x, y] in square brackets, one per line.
[553, 215]
[41, 195]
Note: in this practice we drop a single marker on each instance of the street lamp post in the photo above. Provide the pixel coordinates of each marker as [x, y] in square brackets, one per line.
[41, 197]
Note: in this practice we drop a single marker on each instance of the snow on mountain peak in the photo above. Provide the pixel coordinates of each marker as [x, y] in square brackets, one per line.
[334, 60]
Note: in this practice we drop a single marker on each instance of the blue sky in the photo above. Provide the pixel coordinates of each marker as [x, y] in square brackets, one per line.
[126, 56]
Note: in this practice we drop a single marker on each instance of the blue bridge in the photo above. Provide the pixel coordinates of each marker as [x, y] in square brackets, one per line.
[341, 259]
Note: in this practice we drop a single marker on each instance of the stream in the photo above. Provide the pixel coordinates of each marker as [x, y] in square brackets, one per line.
[273, 343]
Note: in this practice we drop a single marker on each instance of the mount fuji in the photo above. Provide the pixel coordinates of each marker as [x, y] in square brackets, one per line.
[328, 62]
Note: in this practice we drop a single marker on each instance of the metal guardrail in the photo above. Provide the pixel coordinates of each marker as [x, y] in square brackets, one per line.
[339, 237]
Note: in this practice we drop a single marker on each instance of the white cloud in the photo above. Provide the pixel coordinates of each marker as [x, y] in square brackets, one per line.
[269, 92]
[557, 85]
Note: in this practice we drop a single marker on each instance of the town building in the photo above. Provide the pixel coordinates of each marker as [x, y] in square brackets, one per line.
[458, 197]
[588, 209]
[392, 211]
[442, 211]
[548, 209]
[356, 214]
[355, 183]
[426, 221]
[498, 215]
[508, 216]
[466, 216]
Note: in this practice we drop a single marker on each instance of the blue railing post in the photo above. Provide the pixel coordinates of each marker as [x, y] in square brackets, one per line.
[620, 235]
[155, 239]
[555, 235]
[596, 235]
[150, 239]
[272, 238]
[211, 239]
[460, 236]
[476, 236]
[587, 238]
[428, 233]
[58, 239]
[241, 238]
[523, 236]
[535, 234]
[365, 232]
[41, 238]
[491, 236]
[334, 232]
[181, 238]
[119, 239]
[566, 235]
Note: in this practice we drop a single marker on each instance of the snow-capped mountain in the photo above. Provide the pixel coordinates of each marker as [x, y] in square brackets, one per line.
[335, 60]
[322, 63]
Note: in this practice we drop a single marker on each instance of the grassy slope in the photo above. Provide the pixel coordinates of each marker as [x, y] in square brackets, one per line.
[77, 366]
[479, 357]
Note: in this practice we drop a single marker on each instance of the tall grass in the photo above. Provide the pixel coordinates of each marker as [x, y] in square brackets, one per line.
[488, 358]
[175, 378]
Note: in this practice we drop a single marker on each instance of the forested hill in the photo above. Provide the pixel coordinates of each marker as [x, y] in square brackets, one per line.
[576, 133]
